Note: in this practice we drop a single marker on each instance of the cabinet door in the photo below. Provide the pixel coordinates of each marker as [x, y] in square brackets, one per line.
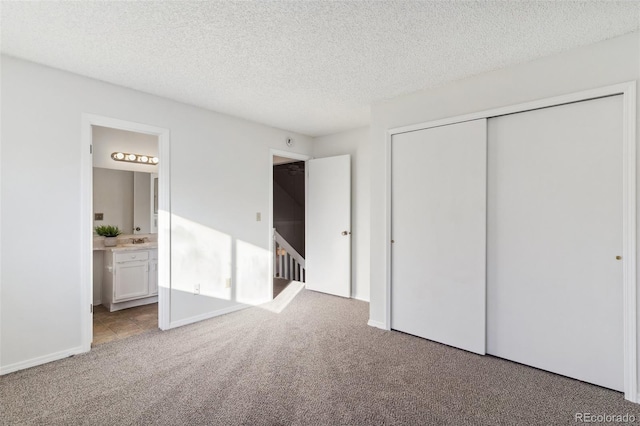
[153, 277]
[131, 280]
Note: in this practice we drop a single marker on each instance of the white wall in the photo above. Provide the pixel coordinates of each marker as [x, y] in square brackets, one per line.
[213, 204]
[357, 144]
[609, 62]
[113, 197]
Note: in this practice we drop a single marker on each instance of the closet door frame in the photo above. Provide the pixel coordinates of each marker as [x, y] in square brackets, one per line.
[629, 308]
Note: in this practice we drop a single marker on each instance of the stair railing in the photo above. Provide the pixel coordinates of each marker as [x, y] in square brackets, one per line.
[287, 262]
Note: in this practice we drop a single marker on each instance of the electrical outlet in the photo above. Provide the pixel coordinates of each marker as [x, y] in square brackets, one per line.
[196, 289]
[227, 283]
[98, 216]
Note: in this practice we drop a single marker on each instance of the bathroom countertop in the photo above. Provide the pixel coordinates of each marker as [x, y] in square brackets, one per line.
[128, 247]
[125, 242]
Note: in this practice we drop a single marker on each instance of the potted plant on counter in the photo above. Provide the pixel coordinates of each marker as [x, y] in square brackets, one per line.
[110, 234]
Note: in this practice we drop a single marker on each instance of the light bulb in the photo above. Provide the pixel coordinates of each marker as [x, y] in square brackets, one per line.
[131, 157]
[119, 155]
[154, 160]
[144, 159]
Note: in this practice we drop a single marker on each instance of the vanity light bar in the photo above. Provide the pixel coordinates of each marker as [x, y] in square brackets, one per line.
[135, 158]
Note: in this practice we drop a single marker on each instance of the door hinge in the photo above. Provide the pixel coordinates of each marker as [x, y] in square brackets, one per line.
[91, 308]
[90, 149]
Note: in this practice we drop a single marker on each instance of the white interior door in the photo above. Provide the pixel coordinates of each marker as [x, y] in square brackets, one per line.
[554, 286]
[439, 231]
[328, 225]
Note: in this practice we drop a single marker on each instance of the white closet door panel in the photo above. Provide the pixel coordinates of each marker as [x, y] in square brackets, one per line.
[554, 286]
[439, 229]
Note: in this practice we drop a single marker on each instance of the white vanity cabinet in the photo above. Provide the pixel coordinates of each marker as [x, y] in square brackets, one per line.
[131, 275]
[130, 278]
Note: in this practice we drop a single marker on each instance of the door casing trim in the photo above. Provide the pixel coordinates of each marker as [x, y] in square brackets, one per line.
[86, 206]
[293, 156]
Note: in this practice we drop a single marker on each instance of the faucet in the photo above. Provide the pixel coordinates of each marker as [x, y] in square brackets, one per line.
[139, 240]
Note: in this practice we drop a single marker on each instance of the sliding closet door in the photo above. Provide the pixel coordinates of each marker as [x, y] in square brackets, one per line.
[554, 285]
[439, 233]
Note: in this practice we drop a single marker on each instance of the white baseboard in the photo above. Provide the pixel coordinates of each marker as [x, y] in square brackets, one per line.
[360, 299]
[197, 318]
[40, 360]
[376, 324]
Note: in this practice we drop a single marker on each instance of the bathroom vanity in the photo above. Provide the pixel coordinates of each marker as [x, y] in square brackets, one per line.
[130, 276]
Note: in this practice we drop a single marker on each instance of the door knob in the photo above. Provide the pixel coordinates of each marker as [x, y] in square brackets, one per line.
[346, 232]
[618, 257]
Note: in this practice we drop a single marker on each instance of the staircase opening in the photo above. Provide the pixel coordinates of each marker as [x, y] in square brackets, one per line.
[288, 222]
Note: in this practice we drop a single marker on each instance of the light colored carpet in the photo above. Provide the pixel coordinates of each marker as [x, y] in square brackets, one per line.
[316, 362]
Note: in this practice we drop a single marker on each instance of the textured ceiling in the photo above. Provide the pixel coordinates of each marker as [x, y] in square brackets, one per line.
[307, 66]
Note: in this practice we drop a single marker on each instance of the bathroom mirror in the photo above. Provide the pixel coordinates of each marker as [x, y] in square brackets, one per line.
[126, 199]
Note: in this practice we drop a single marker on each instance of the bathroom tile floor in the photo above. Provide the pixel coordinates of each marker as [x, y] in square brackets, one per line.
[110, 326]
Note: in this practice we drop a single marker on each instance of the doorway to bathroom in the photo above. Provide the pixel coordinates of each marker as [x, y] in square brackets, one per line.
[125, 229]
